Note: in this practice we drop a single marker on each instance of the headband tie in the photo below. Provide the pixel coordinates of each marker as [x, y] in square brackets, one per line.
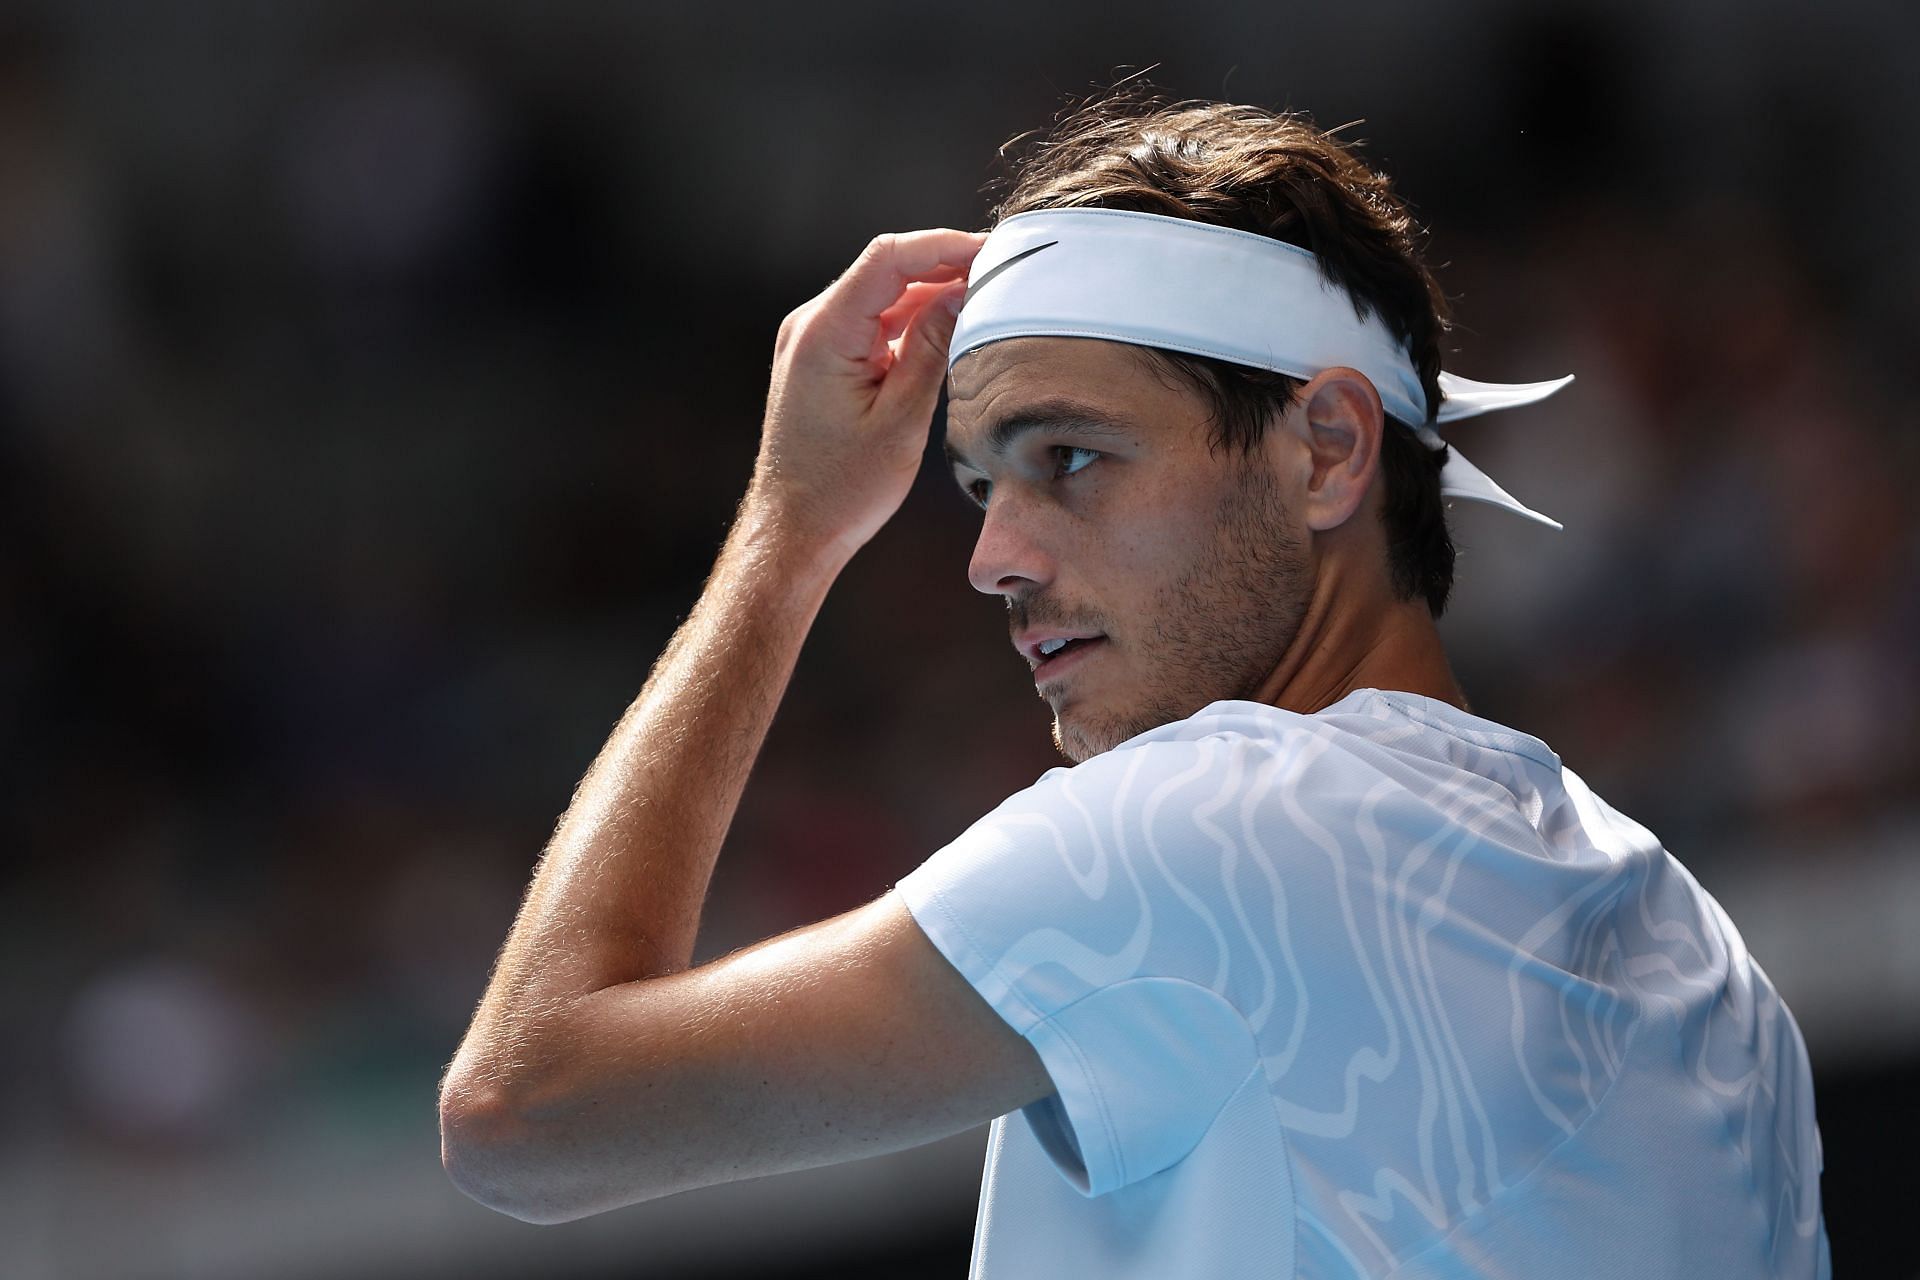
[1193, 287]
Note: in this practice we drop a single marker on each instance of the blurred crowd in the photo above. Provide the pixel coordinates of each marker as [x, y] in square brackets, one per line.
[363, 439]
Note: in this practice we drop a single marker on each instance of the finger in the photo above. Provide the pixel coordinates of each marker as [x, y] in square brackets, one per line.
[912, 384]
[893, 321]
[890, 262]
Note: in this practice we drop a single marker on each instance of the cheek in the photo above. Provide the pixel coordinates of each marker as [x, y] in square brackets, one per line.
[1138, 545]
[1161, 545]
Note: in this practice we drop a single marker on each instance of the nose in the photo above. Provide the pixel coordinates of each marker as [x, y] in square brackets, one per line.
[1008, 558]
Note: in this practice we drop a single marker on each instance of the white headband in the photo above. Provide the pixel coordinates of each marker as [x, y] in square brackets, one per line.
[1189, 286]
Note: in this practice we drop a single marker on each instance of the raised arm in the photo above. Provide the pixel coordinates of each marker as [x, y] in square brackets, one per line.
[599, 1070]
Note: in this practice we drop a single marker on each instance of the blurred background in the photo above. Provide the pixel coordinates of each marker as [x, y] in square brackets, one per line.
[377, 382]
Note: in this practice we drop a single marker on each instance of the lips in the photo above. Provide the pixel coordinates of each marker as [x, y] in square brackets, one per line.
[1030, 642]
[1077, 651]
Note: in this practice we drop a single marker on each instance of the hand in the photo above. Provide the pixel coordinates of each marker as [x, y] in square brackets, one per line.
[856, 374]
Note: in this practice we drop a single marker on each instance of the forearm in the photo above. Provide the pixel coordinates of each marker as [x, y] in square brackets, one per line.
[577, 1024]
[617, 895]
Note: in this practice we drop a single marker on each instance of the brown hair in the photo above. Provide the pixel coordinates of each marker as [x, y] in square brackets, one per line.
[1273, 174]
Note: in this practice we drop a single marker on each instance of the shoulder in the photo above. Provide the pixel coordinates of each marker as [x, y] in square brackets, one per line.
[1090, 854]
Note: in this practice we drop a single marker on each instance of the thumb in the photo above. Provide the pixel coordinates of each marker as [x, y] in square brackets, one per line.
[913, 383]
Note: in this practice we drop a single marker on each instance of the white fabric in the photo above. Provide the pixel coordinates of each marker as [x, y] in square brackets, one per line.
[1192, 287]
[1384, 990]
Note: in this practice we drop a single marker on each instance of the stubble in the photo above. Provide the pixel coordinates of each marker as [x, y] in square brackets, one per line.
[1218, 630]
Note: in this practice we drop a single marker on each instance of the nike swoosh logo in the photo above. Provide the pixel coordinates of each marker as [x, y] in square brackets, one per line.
[981, 283]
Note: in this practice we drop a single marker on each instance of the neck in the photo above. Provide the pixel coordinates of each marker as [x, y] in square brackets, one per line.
[1367, 640]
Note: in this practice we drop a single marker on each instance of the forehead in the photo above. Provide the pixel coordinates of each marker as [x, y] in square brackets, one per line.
[995, 382]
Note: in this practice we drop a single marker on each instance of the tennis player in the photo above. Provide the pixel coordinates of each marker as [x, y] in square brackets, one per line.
[1301, 968]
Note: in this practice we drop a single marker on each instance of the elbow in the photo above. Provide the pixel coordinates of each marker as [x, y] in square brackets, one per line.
[489, 1155]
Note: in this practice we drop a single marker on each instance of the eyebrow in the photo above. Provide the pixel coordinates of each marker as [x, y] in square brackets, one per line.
[1059, 413]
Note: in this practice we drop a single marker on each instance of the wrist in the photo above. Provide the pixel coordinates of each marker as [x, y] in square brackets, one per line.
[785, 549]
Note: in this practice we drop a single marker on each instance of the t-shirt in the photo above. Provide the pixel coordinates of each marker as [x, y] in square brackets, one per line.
[1382, 990]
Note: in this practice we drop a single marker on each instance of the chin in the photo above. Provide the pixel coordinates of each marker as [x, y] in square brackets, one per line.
[1080, 736]
[1073, 744]
[1081, 732]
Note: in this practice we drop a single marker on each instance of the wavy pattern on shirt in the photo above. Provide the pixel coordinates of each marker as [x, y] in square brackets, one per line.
[1448, 949]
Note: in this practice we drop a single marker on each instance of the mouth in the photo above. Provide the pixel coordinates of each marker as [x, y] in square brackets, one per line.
[1057, 661]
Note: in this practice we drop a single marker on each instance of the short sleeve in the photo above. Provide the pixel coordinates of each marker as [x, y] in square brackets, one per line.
[1079, 909]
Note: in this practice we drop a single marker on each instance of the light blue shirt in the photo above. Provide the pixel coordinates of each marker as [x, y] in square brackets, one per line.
[1384, 990]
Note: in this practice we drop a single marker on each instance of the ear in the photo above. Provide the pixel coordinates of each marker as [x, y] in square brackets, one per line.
[1344, 421]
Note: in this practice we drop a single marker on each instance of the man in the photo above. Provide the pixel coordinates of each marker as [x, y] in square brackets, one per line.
[1302, 969]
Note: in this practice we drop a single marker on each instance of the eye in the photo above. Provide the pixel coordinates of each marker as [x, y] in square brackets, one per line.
[1069, 460]
[1066, 453]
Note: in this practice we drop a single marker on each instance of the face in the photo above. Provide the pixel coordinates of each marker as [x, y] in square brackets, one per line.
[1179, 573]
